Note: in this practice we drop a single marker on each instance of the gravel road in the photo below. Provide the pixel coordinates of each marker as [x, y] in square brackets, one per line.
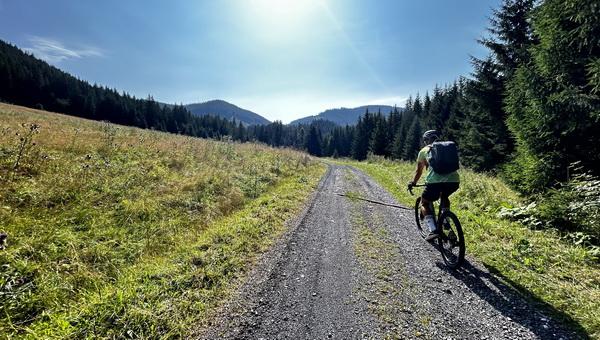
[349, 269]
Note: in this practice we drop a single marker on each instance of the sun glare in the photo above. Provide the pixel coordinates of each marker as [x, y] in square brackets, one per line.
[276, 19]
[284, 7]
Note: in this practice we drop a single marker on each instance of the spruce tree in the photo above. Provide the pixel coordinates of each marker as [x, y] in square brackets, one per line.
[437, 106]
[511, 35]
[362, 137]
[398, 144]
[313, 142]
[554, 101]
[426, 117]
[413, 140]
[485, 140]
[379, 139]
[393, 124]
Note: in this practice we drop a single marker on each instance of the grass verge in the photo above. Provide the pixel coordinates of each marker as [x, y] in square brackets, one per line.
[559, 276]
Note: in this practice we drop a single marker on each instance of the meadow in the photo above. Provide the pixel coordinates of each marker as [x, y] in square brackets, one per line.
[546, 266]
[121, 232]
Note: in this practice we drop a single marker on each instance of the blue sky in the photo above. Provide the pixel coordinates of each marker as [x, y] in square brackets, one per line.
[283, 59]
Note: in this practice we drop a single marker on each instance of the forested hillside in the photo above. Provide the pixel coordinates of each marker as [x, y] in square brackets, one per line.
[226, 110]
[28, 81]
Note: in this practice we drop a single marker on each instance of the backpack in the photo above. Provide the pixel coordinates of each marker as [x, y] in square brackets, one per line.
[443, 157]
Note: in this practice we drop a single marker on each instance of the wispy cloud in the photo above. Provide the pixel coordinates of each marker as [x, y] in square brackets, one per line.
[54, 51]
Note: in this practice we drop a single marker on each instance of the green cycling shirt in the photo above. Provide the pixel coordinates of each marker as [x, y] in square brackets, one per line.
[432, 176]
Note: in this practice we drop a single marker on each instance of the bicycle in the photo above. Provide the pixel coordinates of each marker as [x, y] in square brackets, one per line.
[451, 242]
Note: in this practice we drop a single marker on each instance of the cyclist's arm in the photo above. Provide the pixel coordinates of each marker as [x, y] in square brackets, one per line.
[419, 171]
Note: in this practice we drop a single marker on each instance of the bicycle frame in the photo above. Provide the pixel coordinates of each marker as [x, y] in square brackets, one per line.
[431, 206]
[453, 238]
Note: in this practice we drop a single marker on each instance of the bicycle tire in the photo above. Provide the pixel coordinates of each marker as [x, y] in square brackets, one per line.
[422, 232]
[446, 244]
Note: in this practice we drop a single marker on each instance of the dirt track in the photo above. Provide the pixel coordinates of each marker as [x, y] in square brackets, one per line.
[352, 269]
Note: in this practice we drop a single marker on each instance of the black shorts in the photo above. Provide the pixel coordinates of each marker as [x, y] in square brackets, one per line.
[434, 191]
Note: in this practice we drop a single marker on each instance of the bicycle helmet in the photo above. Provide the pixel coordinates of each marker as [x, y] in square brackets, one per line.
[430, 135]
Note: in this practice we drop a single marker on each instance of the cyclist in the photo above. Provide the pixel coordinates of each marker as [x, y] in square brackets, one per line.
[436, 185]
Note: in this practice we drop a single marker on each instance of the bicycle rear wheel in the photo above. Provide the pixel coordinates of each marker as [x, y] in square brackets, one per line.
[451, 241]
[422, 231]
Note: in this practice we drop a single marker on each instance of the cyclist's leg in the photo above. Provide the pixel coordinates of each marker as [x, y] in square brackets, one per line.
[425, 207]
[430, 194]
[447, 190]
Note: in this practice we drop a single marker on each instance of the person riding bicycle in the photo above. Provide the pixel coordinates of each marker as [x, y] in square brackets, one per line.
[436, 185]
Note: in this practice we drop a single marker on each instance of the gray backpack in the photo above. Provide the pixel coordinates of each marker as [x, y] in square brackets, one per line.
[443, 157]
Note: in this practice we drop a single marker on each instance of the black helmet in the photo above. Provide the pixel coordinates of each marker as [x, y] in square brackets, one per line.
[430, 135]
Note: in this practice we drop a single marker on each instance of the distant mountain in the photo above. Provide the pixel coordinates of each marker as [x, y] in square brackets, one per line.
[344, 116]
[227, 110]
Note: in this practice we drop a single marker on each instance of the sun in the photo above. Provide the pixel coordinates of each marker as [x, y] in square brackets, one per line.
[280, 19]
[286, 8]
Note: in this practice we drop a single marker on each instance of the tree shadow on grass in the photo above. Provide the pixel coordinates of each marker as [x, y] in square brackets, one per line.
[518, 303]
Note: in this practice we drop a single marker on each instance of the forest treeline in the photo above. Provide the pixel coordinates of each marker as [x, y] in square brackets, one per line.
[28, 81]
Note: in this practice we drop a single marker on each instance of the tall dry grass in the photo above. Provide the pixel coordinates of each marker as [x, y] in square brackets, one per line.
[92, 209]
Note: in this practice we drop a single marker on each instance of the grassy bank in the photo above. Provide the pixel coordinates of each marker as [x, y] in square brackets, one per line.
[560, 276]
[122, 232]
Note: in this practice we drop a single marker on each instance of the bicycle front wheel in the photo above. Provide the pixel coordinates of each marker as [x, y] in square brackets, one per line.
[422, 232]
[451, 241]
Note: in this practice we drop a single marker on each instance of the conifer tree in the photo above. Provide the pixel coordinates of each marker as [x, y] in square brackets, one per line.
[511, 36]
[417, 107]
[393, 124]
[554, 100]
[485, 141]
[413, 140]
[362, 137]
[398, 144]
[379, 139]
[313, 142]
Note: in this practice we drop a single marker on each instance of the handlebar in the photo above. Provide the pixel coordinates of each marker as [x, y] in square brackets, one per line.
[416, 185]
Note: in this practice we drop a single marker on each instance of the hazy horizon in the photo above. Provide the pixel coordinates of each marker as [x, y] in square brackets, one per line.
[283, 59]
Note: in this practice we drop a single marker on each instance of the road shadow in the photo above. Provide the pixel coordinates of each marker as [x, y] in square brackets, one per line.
[518, 303]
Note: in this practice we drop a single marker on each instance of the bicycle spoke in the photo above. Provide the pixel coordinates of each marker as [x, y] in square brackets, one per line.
[452, 241]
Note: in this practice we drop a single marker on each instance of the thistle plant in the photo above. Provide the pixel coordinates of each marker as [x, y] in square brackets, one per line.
[25, 142]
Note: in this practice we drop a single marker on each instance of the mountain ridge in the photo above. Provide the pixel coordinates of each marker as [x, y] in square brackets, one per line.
[344, 115]
[226, 110]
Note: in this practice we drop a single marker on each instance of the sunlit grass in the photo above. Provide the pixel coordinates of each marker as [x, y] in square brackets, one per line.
[116, 231]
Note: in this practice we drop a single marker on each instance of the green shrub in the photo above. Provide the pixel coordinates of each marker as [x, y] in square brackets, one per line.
[573, 208]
